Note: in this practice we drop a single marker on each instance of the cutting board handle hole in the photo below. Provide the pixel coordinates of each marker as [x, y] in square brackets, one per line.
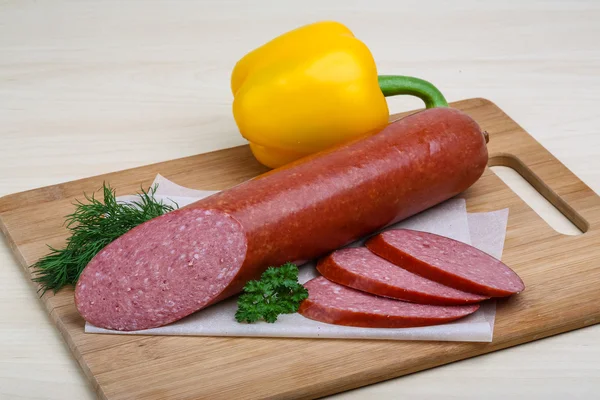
[539, 196]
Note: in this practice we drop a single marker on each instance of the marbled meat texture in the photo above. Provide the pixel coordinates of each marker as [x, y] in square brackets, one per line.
[360, 269]
[447, 261]
[336, 304]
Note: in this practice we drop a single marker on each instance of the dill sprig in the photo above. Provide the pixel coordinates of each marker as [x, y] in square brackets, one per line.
[93, 225]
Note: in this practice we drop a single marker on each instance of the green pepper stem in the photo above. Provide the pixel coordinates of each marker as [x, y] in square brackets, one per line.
[392, 85]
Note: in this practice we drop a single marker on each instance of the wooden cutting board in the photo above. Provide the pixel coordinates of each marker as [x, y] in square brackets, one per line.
[562, 274]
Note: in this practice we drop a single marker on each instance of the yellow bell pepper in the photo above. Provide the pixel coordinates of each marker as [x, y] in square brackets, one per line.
[312, 88]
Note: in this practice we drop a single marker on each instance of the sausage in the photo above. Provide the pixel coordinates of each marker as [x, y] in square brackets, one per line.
[176, 264]
[360, 269]
[340, 305]
[447, 261]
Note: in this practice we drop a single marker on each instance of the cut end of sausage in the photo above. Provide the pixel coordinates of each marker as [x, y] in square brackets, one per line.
[447, 261]
[162, 270]
[360, 269]
[336, 304]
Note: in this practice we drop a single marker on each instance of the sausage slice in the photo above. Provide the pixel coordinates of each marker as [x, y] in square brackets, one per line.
[360, 269]
[336, 304]
[447, 261]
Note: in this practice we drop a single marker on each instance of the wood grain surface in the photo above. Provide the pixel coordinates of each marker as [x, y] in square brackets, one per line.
[89, 87]
[560, 272]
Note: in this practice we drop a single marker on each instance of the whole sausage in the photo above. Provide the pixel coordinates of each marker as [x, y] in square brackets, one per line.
[340, 305]
[447, 261]
[360, 269]
[181, 262]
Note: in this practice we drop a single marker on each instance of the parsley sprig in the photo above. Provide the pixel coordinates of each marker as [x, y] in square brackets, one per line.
[277, 292]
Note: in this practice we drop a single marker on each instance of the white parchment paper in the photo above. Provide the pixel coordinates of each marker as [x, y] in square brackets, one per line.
[483, 230]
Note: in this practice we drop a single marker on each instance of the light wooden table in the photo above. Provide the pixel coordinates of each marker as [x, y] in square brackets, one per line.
[91, 87]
